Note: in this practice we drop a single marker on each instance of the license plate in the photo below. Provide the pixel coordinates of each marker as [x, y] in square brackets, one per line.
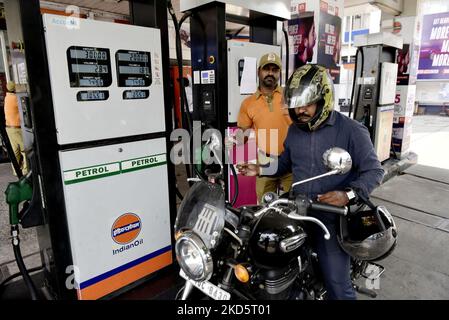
[208, 288]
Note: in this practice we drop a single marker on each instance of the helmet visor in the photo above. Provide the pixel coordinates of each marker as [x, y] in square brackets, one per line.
[302, 96]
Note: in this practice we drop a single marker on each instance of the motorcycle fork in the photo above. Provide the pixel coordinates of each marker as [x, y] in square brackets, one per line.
[226, 283]
[187, 290]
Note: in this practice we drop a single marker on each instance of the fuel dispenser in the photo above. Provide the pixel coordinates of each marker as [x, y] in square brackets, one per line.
[374, 87]
[101, 177]
[218, 64]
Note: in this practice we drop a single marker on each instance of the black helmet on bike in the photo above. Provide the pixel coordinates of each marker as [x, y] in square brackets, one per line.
[309, 84]
[369, 234]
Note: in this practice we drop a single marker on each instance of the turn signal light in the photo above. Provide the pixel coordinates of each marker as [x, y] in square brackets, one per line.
[178, 234]
[241, 273]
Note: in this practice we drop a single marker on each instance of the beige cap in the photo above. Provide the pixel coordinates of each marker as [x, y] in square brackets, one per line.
[270, 58]
[11, 86]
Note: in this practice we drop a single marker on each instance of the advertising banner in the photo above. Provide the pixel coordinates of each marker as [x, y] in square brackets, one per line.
[302, 41]
[403, 61]
[329, 42]
[407, 60]
[434, 52]
[314, 35]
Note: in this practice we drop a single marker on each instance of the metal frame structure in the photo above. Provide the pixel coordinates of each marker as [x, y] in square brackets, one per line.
[54, 240]
[209, 52]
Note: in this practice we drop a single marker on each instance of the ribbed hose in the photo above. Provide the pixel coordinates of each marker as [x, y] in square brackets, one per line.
[236, 185]
[184, 106]
[16, 275]
[19, 259]
[354, 83]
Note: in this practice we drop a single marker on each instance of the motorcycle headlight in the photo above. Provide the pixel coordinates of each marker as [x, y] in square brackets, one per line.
[193, 256]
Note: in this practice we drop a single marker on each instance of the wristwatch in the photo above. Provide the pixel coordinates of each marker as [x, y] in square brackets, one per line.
[352, 196]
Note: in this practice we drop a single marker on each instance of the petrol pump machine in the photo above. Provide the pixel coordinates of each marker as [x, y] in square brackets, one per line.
[375, 87]
[220, 64]
[108, 225]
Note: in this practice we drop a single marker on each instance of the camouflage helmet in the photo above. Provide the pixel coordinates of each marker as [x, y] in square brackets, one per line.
[307, 85]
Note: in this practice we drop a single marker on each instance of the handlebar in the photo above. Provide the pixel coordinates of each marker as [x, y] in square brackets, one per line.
[329, 208]
[272, 205]
[295, 216]
[304, 203]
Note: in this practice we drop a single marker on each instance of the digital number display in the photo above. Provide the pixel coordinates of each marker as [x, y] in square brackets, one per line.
[88, 54]
[89, 67]
[134, 83]
[136, 94]
[92, 95]
[133, 57]
[96, 82]
[133, 68]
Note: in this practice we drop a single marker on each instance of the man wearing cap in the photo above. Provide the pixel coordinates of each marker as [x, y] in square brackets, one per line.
[13, 125]
[263, 112]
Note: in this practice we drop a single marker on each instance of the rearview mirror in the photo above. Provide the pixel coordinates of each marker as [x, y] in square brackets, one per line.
[338, 160]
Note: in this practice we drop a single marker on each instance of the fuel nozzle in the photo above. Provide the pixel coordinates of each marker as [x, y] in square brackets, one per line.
[16, 193]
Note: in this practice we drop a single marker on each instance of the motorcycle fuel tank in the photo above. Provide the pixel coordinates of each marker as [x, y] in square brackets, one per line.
[276, 240]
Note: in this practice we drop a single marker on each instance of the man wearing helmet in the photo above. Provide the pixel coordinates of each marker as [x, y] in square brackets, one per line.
[309, 97]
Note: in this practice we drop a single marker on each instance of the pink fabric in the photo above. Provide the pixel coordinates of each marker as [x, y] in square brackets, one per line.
[247, 185]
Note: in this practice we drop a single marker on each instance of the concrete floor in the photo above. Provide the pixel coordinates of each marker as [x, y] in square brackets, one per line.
[430, 140]
[418, 199]
[419, 266]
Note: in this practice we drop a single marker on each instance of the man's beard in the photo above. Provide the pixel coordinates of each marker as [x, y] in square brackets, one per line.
[304, 118]
[269, 82]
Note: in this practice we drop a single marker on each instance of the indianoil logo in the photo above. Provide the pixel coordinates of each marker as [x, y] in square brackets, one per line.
[126, 228]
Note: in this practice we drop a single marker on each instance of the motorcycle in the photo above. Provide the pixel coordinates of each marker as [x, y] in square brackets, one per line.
[259, 251]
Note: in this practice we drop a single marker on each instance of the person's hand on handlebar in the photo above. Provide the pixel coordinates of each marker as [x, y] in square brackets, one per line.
[248, 169]
[335, 198]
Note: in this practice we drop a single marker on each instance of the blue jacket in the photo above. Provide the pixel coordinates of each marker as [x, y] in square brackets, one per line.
[304, 150]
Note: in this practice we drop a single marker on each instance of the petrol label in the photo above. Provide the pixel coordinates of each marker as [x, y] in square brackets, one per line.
[89, 173]
[105, 170]
[144, 162]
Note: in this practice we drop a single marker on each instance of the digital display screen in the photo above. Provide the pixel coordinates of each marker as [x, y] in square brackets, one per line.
[89, 67]
[92, 95]
[136, 94]
[91, 82]
[88, 54]
[133, 57]
[133, 68]
[134, 83]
